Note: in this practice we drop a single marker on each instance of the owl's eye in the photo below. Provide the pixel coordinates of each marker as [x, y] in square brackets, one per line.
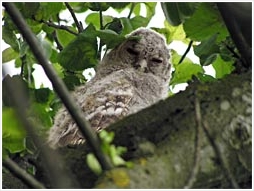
[157, 60]
[132, 51]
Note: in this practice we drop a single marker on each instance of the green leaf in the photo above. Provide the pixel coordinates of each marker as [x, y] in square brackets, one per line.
[49, 9]
[171, 13]
[42, 95]
[205, 78]
[222, 67]
[94, 18]
[79, 7]
[187, 9]
[150, 9]
[110, 38]
[114, 156]
[93, 163]
[206, 50]
[184, 71]
[98, 6]
[9, 54]
[106, 137]
[139, 21]
[13, 134]
[177, 13]
[81, 53]
[65, 37]
[115, 25]
[176, 32]
[136, 9]
[41, 116]
[118, 5]
[131, 24]
[71, 81]
[9, 36]
[204, 23]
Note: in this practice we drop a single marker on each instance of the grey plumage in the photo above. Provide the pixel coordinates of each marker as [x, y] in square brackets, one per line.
[132, 76]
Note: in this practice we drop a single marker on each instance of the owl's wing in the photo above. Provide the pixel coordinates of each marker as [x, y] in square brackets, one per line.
[102, 104]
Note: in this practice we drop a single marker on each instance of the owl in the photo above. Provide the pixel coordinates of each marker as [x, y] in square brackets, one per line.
[131, 77]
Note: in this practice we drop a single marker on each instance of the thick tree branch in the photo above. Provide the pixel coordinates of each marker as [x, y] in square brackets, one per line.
[161, 141]
[60, 88]
[22, 174]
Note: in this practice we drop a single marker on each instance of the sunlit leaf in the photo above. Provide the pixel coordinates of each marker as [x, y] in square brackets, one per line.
[94, 18]
[65, 37]
[222, 67]
[184, 71]
[13, 134]
[93, 164]
[9, 54]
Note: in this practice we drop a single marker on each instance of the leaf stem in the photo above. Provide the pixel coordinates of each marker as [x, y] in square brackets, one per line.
[131, 10]
[186, 52]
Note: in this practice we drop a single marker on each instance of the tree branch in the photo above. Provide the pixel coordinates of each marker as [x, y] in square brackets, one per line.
[235, 32]
[62, 27]
[59, 46]
[60, 88]
[80, 28]
[22, 174]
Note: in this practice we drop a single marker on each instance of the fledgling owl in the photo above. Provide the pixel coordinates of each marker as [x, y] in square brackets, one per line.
[132, 76]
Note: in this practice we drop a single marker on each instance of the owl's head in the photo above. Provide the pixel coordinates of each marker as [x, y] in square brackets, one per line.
[145, 51]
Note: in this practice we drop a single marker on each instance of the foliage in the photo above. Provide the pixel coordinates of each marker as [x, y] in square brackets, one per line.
[114, 153]
[71, 51]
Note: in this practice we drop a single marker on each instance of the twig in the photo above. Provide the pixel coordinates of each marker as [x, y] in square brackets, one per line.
[80, 28]
[195, 168]
[221, 159]
[131, 10]
[62, 27]
[100, 43]
[186, 52]
[22, 174]
[59, 46]
[23, 58]
[60, 88]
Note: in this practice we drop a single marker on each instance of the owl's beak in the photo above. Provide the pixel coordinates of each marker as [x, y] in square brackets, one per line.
[143, 65]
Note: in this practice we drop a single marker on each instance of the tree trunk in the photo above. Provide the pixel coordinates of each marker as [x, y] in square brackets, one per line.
[174, 145]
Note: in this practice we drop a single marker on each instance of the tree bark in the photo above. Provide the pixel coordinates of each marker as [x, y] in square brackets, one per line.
[165, 148]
